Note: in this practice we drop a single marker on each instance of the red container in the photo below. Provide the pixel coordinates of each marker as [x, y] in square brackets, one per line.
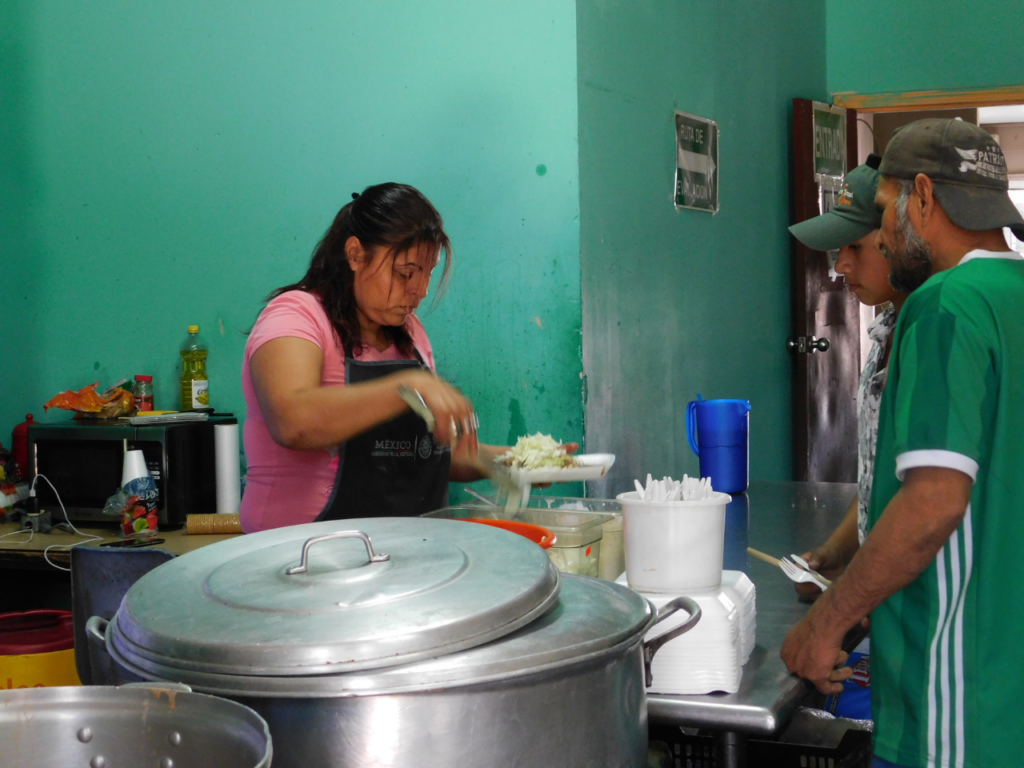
[43, 631]
[539, 535]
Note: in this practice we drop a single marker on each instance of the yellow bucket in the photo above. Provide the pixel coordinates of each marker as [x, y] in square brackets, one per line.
[37, 650]
[39, 670]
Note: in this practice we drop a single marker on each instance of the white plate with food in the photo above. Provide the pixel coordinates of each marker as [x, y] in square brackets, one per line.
[539, 459]
[591, 466]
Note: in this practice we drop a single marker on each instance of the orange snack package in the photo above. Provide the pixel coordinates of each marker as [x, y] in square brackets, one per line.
[87, 403]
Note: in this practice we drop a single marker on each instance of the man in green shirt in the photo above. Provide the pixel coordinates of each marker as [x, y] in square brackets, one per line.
[939, 572]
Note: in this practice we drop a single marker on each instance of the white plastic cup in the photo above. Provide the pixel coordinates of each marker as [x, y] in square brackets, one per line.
[674, 546]
[134, 467]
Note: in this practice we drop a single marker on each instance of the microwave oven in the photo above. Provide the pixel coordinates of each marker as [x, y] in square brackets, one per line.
[84, 460]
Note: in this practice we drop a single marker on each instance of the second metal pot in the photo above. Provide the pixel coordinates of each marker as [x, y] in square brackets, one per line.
[129, 726]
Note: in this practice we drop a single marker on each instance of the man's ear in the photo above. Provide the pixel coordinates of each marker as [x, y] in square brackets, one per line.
[355, 254]
[926, 202]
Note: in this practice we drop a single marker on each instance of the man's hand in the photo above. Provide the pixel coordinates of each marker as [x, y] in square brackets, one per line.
[814, 653]
[914, 527]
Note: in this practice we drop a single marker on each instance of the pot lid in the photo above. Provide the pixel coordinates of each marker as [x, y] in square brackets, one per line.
[337, 596]
[591, 618]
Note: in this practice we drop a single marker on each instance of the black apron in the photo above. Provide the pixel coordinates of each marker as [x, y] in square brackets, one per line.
[396, 469]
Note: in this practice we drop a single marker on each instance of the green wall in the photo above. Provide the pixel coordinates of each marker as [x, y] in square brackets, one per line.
[676, 303]
[20, 313]
[167, 164]
[876, 46]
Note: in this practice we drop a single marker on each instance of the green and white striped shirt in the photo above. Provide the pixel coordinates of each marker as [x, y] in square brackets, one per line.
[946, 676]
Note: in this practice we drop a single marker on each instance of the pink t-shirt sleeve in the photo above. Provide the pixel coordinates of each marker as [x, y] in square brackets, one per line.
[296, 314]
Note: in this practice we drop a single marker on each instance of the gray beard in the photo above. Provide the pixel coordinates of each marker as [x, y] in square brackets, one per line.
[910, 262]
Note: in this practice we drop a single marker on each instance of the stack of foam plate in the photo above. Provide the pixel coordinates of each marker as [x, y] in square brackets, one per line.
[710, 657]
[741, 589]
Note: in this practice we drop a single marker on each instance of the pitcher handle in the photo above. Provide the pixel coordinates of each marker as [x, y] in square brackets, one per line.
[691, 426]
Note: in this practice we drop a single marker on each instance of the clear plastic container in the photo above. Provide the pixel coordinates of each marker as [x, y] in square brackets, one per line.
[577, 548]
[613, 549]
[612, 556]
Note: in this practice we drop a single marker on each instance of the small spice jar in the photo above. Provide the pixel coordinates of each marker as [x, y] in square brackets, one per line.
[144, 393]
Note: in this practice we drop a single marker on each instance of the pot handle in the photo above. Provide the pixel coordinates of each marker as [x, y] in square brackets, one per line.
[161, 686]
[651, 647]
[303, 565]
[96, 632]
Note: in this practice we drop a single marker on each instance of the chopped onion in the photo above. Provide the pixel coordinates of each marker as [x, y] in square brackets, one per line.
[538, 452]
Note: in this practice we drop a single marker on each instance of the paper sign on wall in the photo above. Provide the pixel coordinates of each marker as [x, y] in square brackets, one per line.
[696, 163]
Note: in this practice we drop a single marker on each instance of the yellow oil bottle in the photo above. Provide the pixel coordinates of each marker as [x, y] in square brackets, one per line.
[195, 385]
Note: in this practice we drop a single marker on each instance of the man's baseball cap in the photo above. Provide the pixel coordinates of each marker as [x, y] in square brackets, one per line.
[852, 217]
[967, 169]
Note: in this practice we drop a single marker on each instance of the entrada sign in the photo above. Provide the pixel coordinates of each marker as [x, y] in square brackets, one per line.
[829, 140]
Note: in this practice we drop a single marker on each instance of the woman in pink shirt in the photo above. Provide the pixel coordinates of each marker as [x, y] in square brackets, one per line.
[327, 435]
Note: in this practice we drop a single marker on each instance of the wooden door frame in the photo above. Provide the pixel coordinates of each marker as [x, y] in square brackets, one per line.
[803, 197]
[911, 101]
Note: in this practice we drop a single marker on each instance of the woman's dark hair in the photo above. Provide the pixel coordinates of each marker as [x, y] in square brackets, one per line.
[395, 216]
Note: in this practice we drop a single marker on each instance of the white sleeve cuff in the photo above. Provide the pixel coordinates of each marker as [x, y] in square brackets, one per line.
[947, 459]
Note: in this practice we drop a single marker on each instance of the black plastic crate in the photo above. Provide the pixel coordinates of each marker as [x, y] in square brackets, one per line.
[672, 747]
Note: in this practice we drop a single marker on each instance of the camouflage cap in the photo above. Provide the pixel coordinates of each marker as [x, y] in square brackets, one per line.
[967, 169]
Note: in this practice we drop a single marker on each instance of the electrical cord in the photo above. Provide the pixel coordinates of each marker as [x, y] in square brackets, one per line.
[46, 552]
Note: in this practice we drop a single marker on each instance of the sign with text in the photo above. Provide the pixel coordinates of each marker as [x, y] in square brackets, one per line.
[829, 140]
[696, 163]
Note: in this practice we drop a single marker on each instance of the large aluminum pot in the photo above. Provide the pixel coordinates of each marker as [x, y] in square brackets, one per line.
[565, 689]
[128, 727]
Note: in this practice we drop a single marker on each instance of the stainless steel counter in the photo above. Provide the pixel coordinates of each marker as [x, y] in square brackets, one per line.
[779, 518]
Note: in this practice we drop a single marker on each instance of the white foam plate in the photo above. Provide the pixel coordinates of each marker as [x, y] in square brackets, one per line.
[593, 466]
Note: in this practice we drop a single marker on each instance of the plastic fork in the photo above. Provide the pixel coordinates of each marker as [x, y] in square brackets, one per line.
[799, 575]
[806, 566]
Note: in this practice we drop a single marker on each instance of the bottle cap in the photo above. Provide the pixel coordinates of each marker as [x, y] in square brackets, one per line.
[139, 377]
[193, 329]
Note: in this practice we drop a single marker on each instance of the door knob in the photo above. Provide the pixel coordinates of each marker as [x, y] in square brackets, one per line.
[805, 345]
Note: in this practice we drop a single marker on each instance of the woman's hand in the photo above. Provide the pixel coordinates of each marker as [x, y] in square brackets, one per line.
[453, 412]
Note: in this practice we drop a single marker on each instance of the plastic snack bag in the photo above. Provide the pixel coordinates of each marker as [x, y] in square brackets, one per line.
[87, 403]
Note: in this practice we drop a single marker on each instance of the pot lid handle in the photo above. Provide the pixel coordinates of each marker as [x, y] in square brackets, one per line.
[653, 646]
[304, 561]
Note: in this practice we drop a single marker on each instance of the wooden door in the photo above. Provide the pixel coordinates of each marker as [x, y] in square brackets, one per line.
[825, 373]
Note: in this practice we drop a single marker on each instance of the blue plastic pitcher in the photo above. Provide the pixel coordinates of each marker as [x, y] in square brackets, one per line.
[722, 429]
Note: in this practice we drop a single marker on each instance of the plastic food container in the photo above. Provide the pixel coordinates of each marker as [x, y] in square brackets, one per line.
[674, 546]
[578, 532]
[613, 549]
[611, 555]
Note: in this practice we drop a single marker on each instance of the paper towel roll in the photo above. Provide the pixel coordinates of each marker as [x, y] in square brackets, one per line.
[225, 440]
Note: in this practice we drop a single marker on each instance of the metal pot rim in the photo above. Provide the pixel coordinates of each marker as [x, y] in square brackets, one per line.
[316, 685]
[508, 658]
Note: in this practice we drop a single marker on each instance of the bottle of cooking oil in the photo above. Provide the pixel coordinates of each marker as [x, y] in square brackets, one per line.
[195, 386]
